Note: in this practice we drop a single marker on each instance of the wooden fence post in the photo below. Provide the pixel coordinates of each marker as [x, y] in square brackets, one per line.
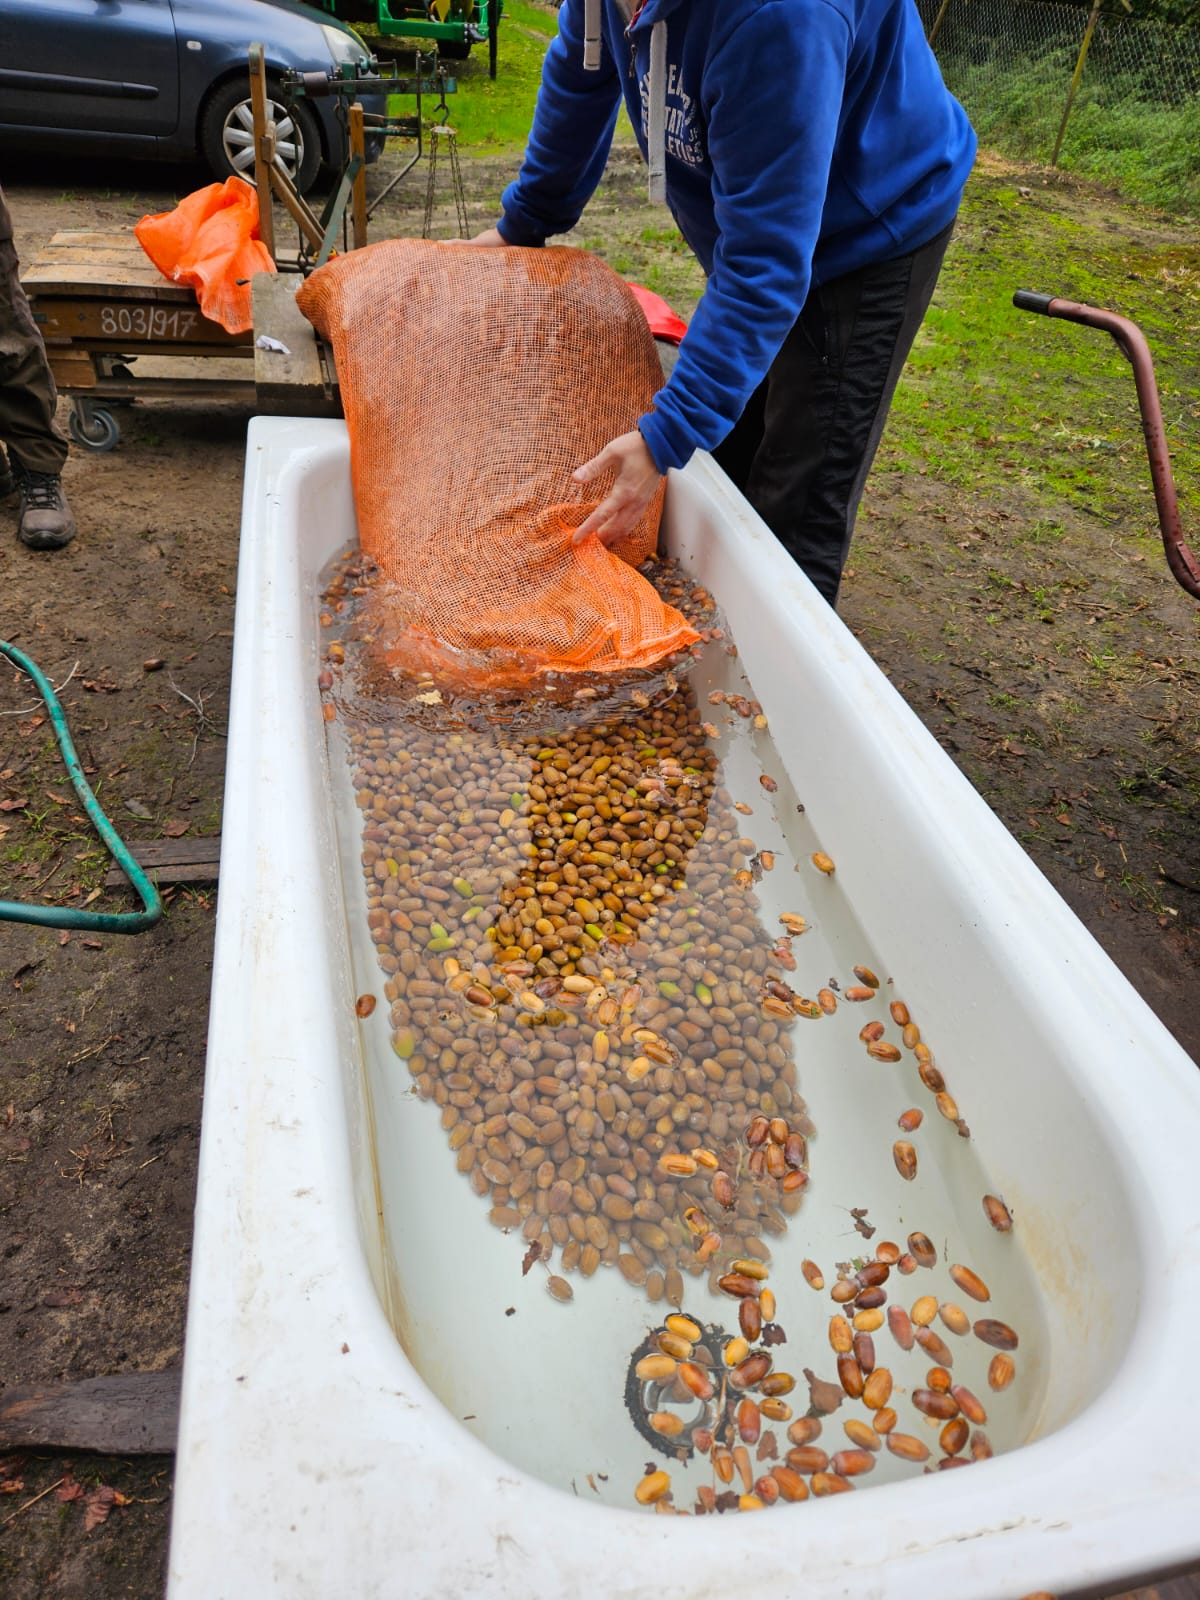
[1078, 73]
[264, 146]
[937, 21]
[358, 204]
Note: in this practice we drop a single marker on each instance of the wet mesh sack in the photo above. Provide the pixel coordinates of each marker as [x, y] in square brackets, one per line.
[474, 381]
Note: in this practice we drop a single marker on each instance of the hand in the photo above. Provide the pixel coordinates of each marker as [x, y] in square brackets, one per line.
[489, 239]
[635, 486]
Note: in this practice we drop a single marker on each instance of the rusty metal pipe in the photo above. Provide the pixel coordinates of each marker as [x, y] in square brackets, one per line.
[1183, 564]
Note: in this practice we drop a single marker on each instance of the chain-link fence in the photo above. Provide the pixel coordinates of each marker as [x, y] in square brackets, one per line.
[1111, 96]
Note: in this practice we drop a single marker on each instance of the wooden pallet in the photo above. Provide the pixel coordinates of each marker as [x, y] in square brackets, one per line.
[101, 303]
[98, 295]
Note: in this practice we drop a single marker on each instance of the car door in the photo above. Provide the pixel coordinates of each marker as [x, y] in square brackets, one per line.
[108, 66]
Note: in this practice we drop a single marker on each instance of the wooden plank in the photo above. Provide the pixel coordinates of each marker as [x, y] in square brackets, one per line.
[108, 282]
[174, 852]
[89, 236]
[264, 146]
[301, 213]
[130, 1413]
[172, 861]
[294, 384]
[358, 209]
[195, 389]
[121, 255]
[71, 369]
[136, 322]
[70, 255]
[185, 872]
[162, 352]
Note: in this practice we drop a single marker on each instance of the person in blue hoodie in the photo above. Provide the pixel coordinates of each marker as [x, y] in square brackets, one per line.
[814, 161]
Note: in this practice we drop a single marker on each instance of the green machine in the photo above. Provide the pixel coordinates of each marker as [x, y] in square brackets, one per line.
[456, 25]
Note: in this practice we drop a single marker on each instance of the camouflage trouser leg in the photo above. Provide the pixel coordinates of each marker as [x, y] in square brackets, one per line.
[27, 393]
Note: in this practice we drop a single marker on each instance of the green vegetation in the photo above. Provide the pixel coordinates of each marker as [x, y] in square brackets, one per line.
[490, 116]
[994, 399]
[1122, 131]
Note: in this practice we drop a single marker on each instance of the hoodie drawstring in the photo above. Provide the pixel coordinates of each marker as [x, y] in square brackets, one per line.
[656, 122]
[656, 94]
[591, 35]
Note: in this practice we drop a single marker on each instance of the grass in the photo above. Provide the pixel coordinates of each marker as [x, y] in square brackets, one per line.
[1119, 132]
[994, 398]
[492, 116]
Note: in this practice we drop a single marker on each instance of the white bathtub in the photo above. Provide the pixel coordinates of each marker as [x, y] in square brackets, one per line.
[315, 1461]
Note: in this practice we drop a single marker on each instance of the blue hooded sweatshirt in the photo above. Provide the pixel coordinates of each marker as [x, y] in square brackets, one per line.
[798, 139]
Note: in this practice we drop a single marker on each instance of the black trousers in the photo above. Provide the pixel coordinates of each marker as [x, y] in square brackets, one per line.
[802, 448]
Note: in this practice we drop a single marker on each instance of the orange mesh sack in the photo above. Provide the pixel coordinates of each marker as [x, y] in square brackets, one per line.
[474, 381]
[211, 241]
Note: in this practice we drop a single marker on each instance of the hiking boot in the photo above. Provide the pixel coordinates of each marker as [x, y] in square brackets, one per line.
[46, 521]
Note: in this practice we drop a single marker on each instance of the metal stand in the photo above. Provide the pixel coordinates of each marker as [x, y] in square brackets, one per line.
[318, 235]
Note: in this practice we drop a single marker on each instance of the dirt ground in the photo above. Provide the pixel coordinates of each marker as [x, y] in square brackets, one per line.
[102, 1039]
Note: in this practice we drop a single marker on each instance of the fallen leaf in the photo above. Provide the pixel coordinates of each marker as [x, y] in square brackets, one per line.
[532, 1255]
[60, 1298]
[861, 1225]
[823, 1397]
[14, 805]
[91, 944]
[59, 799]
[176, 828]
[100, 685]
[11, 1485]
[69, 1490]
[64, 936]
[97, 1506]
[155, 664]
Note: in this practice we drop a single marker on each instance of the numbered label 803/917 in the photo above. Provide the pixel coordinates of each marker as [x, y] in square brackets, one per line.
[149, 322]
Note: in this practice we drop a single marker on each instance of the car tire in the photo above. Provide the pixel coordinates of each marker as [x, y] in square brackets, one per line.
[454, 49]
[227, 135]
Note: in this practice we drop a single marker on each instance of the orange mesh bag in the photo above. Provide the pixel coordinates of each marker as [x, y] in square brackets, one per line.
[211, 242]
[474, 381]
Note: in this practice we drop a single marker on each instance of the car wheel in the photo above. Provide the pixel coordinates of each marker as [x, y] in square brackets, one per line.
[227, 136]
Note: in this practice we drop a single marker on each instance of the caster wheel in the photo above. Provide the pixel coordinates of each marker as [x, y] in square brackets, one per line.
[94, 430]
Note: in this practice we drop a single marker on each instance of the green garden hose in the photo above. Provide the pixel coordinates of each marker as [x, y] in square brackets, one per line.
[66, 916]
